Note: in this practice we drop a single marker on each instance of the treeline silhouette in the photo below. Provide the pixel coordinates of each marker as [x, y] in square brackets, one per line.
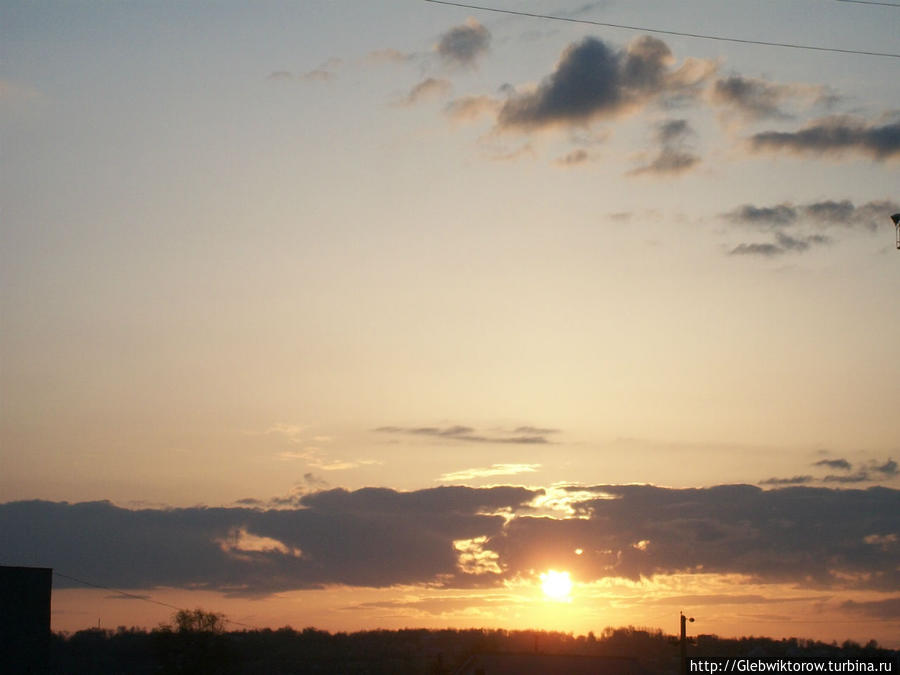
[187, 650]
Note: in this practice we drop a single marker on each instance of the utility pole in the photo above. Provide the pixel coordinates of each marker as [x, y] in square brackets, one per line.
[683, 642]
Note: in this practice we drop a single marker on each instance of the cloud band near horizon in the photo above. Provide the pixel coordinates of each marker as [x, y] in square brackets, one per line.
[459, 537]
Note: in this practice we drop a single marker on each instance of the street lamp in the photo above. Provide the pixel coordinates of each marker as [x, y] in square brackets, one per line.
[896, 219]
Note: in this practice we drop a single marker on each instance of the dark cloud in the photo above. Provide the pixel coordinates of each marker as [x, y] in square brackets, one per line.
[779, 218]
[464, 45]
[834, 464]
[370, 537]
[858, 477]
[844, 213]
[834, 135]
[795, 480]
[784, 243]
[593, 80]
[815, 537]
[888, 608]
[765, 250]
[525, 435]
[767, 216]
[825, 213]
[889, 468]
[812, 537]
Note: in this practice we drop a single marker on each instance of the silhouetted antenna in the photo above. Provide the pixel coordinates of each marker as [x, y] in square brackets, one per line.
[896, 219]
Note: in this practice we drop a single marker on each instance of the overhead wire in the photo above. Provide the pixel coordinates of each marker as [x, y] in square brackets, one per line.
[872, 2]
[661, 31]
[141, 597]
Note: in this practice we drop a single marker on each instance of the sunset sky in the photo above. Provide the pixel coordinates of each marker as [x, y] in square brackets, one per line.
[368, 314]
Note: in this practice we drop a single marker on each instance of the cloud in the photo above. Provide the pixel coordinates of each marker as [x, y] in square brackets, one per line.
[810, 536]
[579, 156]
[389, 56]
[592, 81]
[870, 215]
[756, 99]
[672, 157]
[535, 430]
[669, 162]
[784, 243]
[795, 480]
[464, 45]
[492, 470]
[825, 214]
[429, 88]
[889, 608]
[858, 477]
[522, 435]
[471, 107]
[291, 432]
[769, 216]
[889, 468]
[369, 537]
[836, 135]
[315, 458]
[453, 537]
[834, 464]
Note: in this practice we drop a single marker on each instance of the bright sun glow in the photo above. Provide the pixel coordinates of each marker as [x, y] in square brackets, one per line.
[556, 585]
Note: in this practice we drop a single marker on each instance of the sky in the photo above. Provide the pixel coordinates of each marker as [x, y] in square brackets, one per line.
[369, 314]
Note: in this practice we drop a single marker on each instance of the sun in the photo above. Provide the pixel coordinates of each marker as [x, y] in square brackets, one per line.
[556, 585]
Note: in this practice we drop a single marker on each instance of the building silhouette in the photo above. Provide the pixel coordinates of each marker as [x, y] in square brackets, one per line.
[25, 619]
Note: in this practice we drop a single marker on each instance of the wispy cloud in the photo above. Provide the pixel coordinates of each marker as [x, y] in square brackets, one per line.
[757, 99]
[673, 157]
[834, 464]
[889, 608]
[389, 55]
[793, 480]
[869, 472]
[428, 89]
[523, 435]
[492, 470]
[784, 243]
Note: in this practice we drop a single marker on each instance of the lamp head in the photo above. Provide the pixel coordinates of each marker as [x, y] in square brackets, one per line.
[896, 219]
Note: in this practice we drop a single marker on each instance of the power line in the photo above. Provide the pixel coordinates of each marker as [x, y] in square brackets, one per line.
[140, 597]
[661, 31]
[871, 2]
